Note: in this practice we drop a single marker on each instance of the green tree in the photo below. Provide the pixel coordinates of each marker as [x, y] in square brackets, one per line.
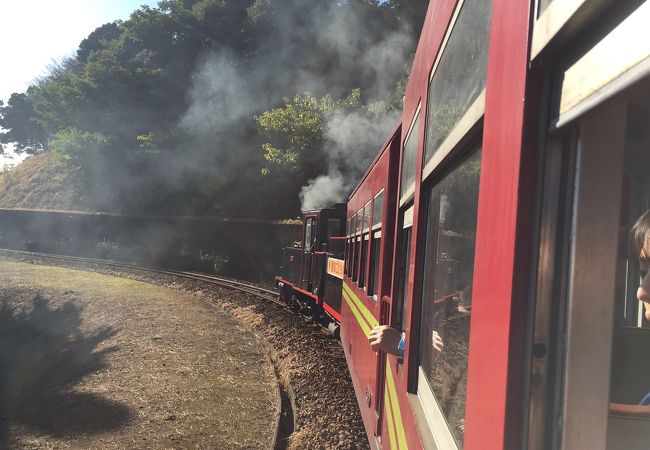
[295, 131]
[20, 125]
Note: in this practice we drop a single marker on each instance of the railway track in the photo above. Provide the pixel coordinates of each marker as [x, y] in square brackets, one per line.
[286, 420]
[266, 294]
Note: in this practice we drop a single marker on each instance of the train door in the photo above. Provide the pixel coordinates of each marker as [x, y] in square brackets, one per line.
[591, 339]
[309, 231]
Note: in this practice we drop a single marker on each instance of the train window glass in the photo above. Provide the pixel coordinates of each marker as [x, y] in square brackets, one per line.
[456, 90]
[346, 257]
[333, 227]
[407, 178]
[359, 221]
[364, 259]
[366, 217]
[373, 281]
[355, 258]
[447, 292]
[309, 224]
[377, 209]
[403, 267]
[630, 366]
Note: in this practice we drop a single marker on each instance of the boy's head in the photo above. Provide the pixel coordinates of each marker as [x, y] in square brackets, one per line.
[640, 251]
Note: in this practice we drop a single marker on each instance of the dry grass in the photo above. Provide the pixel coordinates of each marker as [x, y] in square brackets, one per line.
[39, 183]
[107, 362]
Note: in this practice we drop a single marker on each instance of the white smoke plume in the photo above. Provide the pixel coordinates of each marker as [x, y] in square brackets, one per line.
[352, 142]
[224, 97]
[323, 191]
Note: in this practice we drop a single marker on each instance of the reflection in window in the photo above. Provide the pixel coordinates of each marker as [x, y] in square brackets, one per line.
[403, 263]
[377, 209]
[373, 282]
[308, 234]
[460, 76]
[407, 178]
[364, 259]
[447, 289]
[366, 216]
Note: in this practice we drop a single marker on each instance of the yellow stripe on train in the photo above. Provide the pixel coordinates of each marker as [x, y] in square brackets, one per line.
[391, 392]
[389, 420]
[368, 316]
[353, 307]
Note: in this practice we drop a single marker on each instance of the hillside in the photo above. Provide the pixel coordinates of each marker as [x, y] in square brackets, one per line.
[39, 183]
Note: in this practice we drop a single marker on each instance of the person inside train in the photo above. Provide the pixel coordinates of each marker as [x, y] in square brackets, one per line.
[390, 340]
[639, 246]
[640, 249]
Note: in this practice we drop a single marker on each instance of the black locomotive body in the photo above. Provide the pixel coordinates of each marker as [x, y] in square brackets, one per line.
[312, 269]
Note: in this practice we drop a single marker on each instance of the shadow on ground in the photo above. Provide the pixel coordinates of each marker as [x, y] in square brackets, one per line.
[43, 355]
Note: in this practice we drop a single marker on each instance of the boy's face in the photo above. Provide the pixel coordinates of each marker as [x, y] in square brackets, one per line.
[643, 292]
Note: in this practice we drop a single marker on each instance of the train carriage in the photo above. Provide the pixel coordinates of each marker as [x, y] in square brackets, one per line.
[495, 218]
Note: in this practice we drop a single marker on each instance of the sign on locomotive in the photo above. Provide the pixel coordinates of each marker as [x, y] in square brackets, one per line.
[495, 218]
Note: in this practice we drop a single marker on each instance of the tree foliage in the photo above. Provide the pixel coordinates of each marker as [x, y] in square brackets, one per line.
[296, 131]
[119, 106]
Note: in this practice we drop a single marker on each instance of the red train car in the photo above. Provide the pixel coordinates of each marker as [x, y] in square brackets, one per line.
[495, 217]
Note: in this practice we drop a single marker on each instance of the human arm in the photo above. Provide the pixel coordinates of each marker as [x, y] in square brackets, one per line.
[388, 339]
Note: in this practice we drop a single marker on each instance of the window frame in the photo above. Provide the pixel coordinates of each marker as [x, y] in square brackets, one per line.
[410, 190]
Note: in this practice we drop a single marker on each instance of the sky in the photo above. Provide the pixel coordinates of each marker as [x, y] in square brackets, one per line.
[36, 32]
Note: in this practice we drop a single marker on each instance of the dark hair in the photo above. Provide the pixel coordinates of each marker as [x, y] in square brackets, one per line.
[639, 235]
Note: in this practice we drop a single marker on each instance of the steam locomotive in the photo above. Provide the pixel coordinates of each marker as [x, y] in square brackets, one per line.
[494, 215]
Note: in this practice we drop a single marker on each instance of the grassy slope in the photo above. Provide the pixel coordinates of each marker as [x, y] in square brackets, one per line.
[38, 183]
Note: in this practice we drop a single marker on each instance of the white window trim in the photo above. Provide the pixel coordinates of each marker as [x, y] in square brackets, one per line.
[556, 14]
[408, 195]
[445, 40]
[408, 218]
[610, 66]
[435, 419]
[366, 227]
[378, 224]
[471, 117]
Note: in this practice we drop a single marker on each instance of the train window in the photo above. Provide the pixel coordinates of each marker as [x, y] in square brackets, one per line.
[403, 266]
[447, 294]
[347, 248]
[407, 177]
[364, 259]
[355, 258]
[377, 209]
[456, 90]
[347, 257]
[373, 281]
[309, 235]
[333, 227]
[630, 372]
[359, 221]
[599, 370]
[543, 4]
[366, 216]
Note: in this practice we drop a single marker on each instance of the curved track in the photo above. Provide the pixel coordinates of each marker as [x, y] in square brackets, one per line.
[284, 426]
